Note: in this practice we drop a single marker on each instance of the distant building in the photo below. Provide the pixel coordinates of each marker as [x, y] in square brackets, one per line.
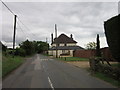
[63, 46]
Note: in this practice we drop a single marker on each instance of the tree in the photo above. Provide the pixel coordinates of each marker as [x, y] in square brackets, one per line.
[31, 47]
[28, 46]
[42, 46]
[112, 32]
[91, 45]
[20, 52]
[98, 53]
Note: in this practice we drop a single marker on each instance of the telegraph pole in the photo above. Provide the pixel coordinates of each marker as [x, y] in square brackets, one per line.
[15, 16]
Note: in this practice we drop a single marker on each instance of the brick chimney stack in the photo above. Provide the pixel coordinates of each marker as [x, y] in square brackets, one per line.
[71, 36]
[55, 30]
[52, 38]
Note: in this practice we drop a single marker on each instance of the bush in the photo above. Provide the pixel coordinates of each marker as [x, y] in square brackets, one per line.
[20, 52]
[96, 66]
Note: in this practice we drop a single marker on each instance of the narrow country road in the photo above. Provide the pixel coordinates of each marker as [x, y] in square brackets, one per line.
[43, 72]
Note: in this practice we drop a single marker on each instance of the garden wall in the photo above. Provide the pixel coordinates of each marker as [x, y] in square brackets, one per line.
[90, 53]
[106, 53]
[84, 53]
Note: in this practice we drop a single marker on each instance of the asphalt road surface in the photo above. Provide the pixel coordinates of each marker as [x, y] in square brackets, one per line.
[43, 72]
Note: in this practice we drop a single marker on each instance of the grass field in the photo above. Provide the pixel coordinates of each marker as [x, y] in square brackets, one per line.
[9, 64]
[73, 59]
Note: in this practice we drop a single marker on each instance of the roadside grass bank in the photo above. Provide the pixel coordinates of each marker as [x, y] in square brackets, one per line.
[73, 59]
[107, 79]
[116, 65]
[9, 63]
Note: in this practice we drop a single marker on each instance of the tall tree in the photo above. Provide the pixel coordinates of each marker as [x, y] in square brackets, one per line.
[112, 32]
[98, 53]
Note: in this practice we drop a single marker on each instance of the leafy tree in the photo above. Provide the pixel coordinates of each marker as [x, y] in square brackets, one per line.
[20, 52]
[91, 45]
[31, 47]
[28, 46]
[112, 32]
[42, 46]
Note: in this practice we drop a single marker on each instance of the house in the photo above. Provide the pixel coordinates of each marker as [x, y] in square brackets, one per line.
[63, 46]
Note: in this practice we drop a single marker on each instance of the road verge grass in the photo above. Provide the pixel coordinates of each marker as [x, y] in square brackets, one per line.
[107, 79]
[9, 64]
[73, 59]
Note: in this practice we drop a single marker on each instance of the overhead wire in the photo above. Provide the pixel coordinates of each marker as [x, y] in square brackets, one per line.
[7, 7]
[25, 26]
[18, 18]
[21, 29]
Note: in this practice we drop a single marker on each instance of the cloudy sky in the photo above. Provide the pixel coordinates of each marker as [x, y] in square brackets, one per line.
[36, 20]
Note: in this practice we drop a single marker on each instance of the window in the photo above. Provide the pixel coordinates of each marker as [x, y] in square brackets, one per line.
[65, 44]
[65, 52]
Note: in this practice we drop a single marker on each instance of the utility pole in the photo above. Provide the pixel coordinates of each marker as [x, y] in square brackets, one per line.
[15, 16]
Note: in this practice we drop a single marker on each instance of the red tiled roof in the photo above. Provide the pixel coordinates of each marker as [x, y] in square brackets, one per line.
[63, 39]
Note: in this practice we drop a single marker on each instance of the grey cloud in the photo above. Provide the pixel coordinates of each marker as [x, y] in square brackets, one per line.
[83, 19]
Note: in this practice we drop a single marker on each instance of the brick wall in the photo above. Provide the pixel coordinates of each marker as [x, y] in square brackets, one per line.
[84, 53]
[90, 53]
[106, 53]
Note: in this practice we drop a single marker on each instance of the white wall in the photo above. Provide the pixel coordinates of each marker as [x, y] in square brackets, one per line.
[53, 45]
[62, 45]
[71, 44]
[53, 52]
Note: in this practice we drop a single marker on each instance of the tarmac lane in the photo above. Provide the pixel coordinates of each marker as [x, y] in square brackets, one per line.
[43, 72]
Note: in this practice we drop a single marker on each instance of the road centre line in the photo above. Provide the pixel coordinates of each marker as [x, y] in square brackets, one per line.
[49, 80]
[50, 83]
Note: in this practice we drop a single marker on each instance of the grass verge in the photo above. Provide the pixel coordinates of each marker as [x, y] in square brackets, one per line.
[116, 65]
[73, 59]
[9, 64]
[107, 79]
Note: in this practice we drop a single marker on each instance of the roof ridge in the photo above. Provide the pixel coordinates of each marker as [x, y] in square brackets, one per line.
[63, 38]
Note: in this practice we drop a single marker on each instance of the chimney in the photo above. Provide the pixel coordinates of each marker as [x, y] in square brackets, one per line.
[52, 38]
[55, 31]
[71, 36]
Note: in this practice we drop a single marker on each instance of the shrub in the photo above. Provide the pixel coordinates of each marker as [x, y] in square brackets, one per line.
[20, 52]
[96, 66]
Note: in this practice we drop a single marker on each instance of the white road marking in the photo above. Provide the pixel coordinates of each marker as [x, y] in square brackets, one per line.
[49, 80]
[50, 83]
